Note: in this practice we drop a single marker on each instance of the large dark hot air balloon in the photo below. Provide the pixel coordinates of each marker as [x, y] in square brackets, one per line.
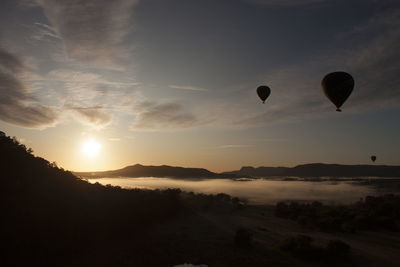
[263, 92]
[373, 158]
[338, 86]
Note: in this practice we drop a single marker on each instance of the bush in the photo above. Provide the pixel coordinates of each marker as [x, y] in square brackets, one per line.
[297, 243]
[374, 213]
[301, 246]
[243, 238]
[337, 249]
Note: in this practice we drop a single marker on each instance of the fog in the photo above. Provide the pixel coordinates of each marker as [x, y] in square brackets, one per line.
[259, 191]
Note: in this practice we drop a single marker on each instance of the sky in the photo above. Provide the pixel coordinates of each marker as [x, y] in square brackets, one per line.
[99, 84]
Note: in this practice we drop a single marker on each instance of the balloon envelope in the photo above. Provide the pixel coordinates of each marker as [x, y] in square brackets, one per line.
[338, 86]
[263, 92]
[373, 158]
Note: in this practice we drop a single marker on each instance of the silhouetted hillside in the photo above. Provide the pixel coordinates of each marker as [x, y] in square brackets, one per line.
[157, 171]
[52, 217]
[320, 169]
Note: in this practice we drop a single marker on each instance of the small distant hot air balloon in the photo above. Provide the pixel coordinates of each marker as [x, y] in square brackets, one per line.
[373, 158]
[263, 92]
[338, 86]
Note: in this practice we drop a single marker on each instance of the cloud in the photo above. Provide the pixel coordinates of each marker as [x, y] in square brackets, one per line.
[190, 88]
[28, 116]
[80, 77]
[154, 116]
[296, 94]
[90, 97]
[287, 2]
[92, 30]
[10, 62]
[17, 105]
[377, 62]
[87, 89]
[374, 63]
[94, 116]
[43, 32]
[234, 146]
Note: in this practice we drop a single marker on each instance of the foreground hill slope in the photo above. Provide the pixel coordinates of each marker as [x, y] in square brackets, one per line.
[48, 213]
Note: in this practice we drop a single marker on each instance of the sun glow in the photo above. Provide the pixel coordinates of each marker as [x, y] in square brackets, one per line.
[91, 148]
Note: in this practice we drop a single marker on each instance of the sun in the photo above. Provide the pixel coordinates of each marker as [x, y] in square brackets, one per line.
[91, 148]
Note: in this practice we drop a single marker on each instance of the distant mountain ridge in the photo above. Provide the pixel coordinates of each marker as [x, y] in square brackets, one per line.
[306, 170]
[139, 170]
[321, 169]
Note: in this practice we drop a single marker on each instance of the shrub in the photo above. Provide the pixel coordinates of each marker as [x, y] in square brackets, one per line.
[337, 249]
[373, 213]
[243, 238]
[301, 246]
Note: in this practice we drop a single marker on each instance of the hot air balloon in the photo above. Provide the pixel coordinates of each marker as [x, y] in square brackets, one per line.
[373, 158]
[263, 92]
[338, 86]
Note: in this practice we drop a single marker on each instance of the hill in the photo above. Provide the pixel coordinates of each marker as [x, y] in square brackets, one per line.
[306, 170]
[51, 217]
[158, 171]
[321, 169]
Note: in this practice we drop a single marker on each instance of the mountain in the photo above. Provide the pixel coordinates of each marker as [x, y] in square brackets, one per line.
[157, 171]
[306, 170]
[321, 169]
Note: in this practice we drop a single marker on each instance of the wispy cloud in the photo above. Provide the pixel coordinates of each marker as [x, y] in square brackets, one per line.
[376, 62]
[235, 146]
[92, 98]
[296, 91]
[153, 116]
[43, 31]
[81, 77]
[92, 30]
[17, 105]
[190, 88]
[296, 94]
[95, 116]
[287, 2]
